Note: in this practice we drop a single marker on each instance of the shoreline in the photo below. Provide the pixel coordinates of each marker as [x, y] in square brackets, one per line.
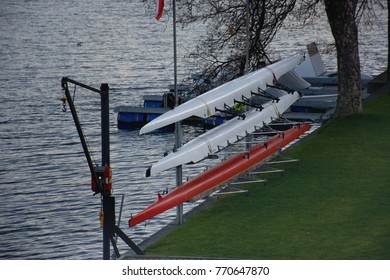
[380, 89]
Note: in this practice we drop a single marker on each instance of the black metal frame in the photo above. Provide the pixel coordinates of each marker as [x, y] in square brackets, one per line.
[230, 111]
[109, 227]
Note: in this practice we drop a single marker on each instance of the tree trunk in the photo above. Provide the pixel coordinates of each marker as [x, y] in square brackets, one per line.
[388, 43]
[341, 16]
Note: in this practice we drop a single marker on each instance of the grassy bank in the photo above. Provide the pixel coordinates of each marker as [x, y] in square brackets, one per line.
[335, 204]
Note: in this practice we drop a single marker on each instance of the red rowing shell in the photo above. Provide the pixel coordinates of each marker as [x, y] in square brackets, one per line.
[219, 174]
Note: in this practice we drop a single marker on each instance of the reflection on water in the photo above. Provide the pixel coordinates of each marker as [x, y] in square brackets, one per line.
[47, 208]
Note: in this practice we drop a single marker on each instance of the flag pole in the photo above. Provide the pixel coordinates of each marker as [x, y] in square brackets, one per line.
[249, 137]
[179, 169]
[247, 37]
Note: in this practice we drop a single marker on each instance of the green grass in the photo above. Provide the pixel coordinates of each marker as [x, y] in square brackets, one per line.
[334, 204]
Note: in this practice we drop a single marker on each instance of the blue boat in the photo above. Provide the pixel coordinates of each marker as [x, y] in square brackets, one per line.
[135, 117]
[132, 117]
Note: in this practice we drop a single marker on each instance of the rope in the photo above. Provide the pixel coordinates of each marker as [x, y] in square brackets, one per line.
[276, 110]
[207, 107]
[273, 75]
[208, 144]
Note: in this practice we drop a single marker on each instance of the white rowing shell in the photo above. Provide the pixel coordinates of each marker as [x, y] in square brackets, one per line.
[229, 132]
[204, 105]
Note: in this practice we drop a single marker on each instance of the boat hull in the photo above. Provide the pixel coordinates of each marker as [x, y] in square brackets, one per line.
[130, 118]
[221, 136]
[206, 105]
[219, 174]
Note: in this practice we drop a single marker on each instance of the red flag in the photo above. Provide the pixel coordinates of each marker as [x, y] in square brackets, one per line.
[159, 9]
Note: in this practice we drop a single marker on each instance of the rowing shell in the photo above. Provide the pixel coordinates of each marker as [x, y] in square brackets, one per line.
[219, 174]
[227, 133]
[205, 105]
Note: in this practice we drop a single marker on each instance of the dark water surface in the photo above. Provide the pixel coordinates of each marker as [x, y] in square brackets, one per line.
[47, 208]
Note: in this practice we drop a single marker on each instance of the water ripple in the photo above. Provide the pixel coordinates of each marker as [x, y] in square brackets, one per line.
[48, 210]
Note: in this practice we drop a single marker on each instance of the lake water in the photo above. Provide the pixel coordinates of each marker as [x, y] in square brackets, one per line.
[47, 208]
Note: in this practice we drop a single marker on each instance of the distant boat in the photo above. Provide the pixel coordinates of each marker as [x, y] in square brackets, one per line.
[319, 100]
[135, 117]
[313, 70]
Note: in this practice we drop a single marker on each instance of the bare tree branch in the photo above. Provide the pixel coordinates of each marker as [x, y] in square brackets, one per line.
[224, 44]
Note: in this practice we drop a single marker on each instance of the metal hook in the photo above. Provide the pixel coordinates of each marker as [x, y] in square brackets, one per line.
[63, 99]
